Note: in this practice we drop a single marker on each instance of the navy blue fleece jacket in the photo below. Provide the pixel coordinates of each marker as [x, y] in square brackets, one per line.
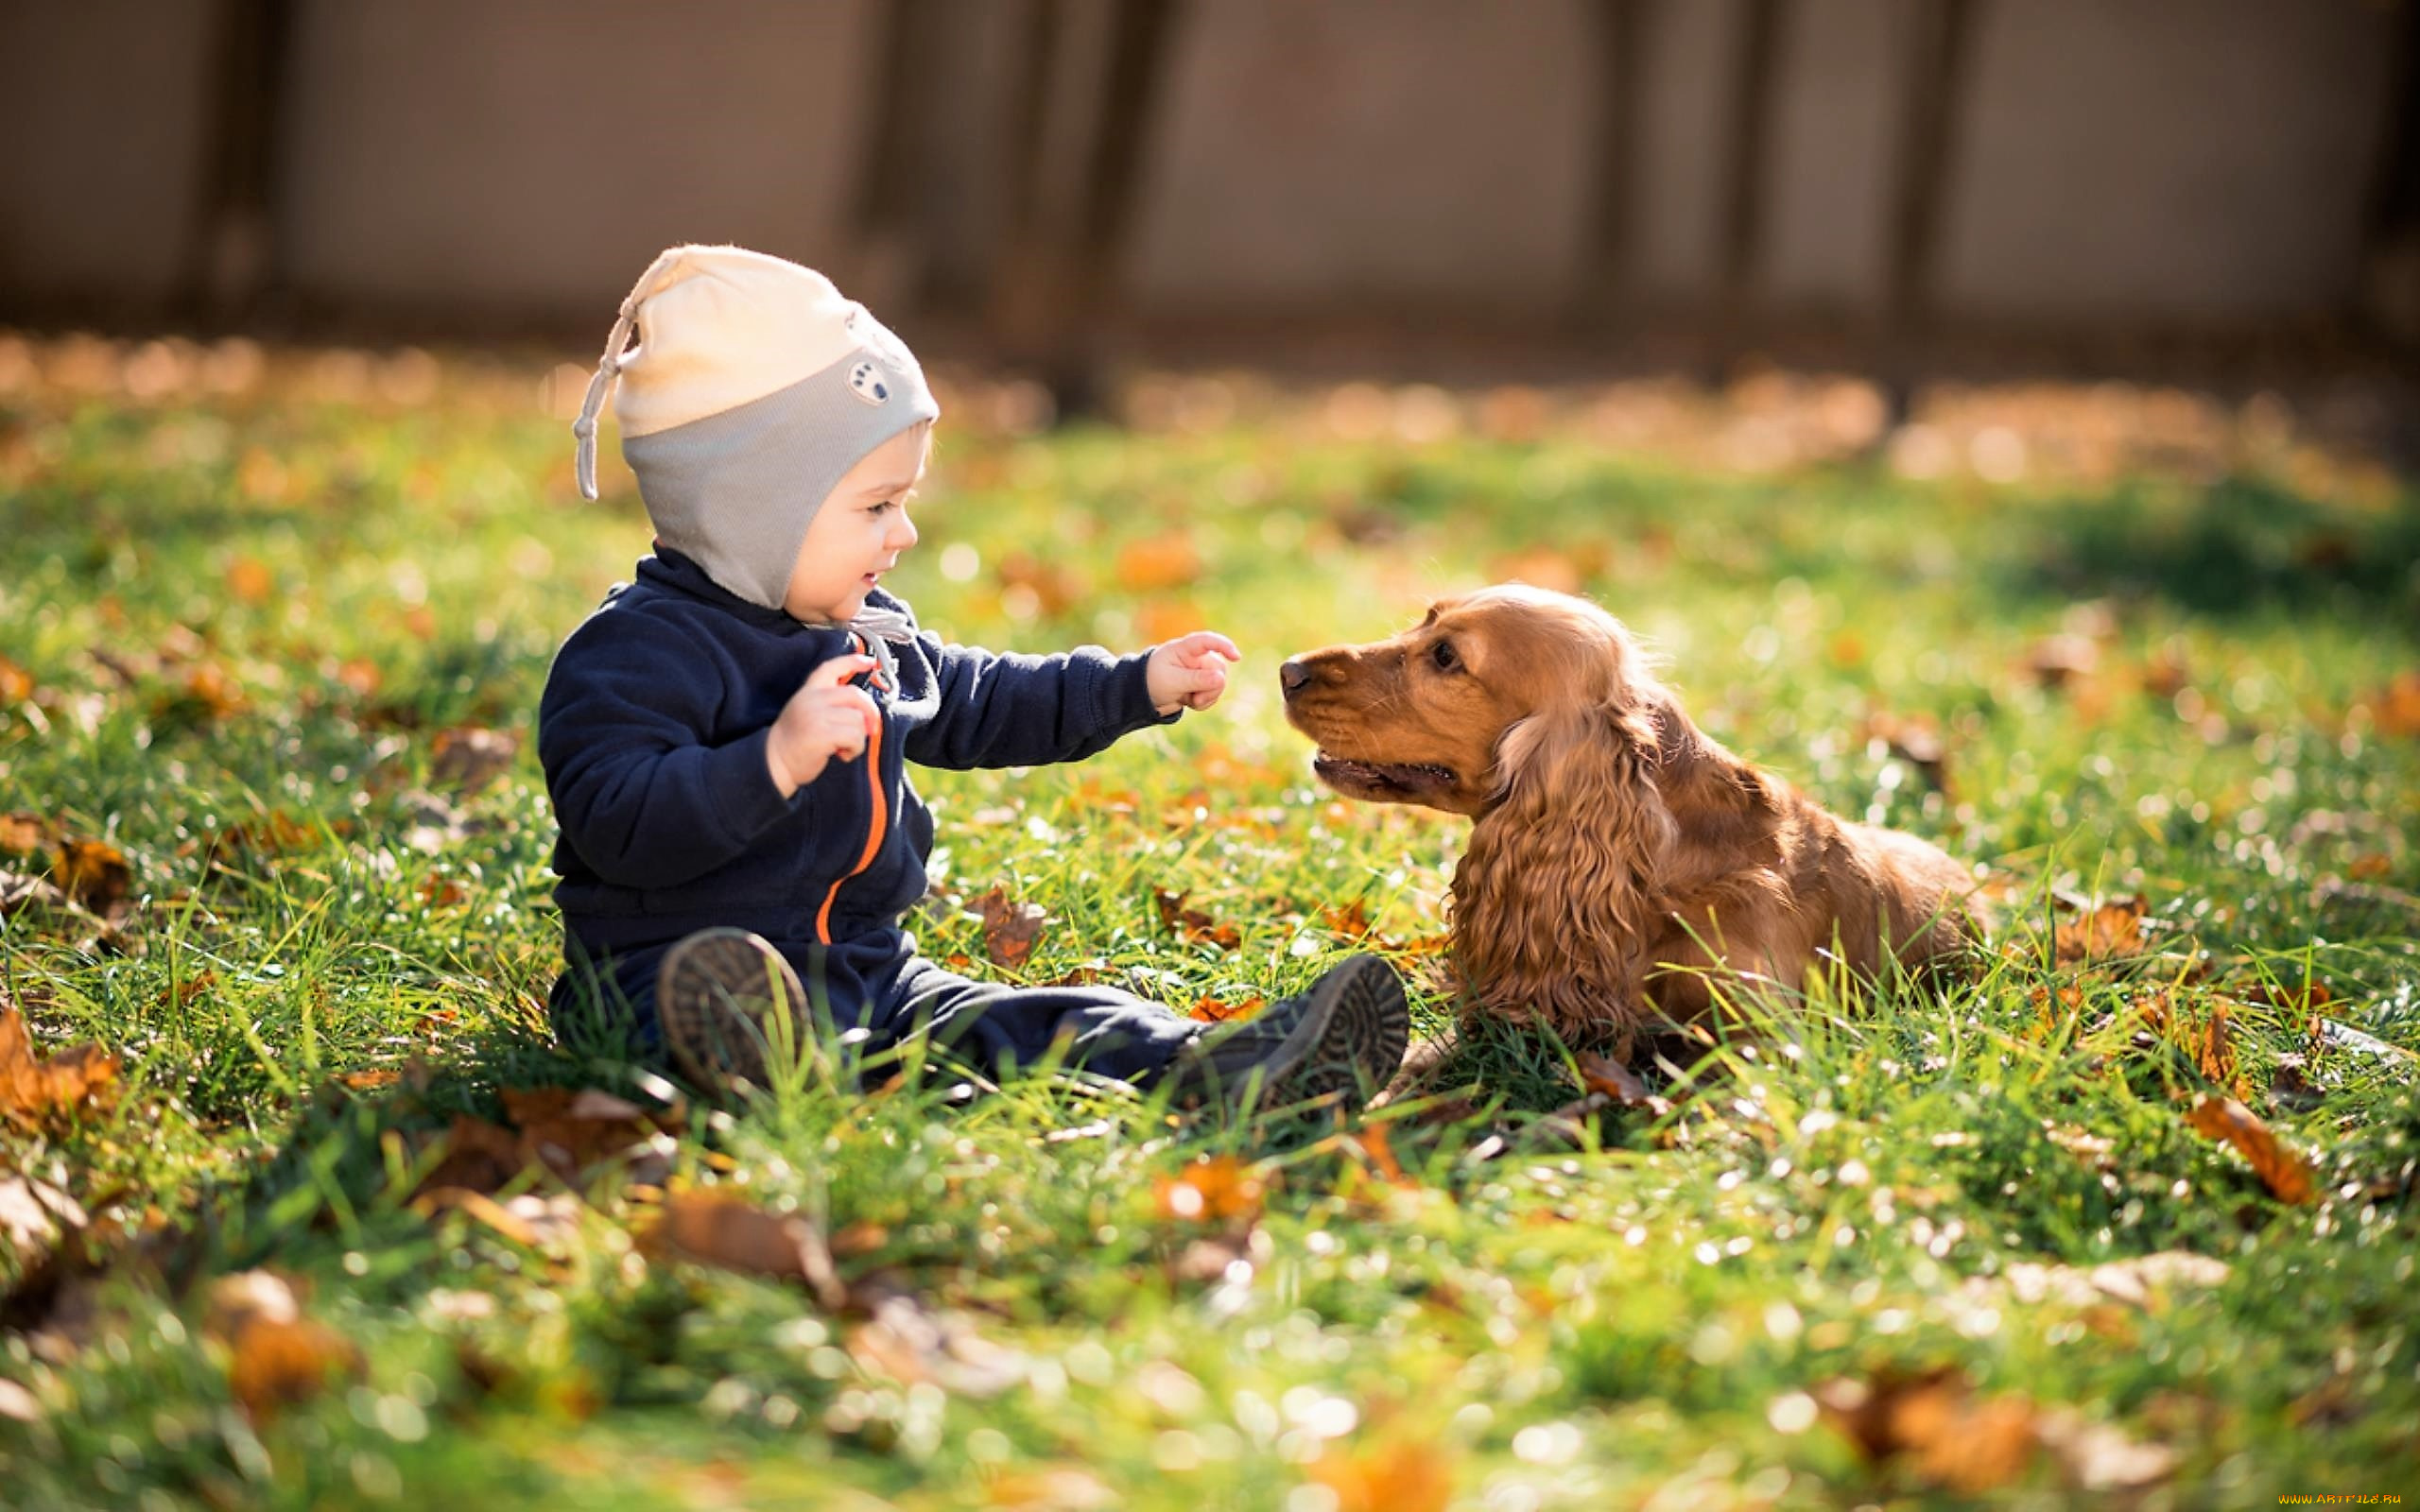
[652, 731]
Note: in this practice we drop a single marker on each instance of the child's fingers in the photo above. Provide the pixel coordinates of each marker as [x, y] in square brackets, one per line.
[845, 731]
[836, 672]
[1197, 648]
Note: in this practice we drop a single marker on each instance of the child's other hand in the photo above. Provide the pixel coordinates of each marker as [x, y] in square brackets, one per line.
[825, 718]
[1190, 671]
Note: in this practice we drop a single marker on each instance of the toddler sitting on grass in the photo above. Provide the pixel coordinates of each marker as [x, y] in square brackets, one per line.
[726, 739]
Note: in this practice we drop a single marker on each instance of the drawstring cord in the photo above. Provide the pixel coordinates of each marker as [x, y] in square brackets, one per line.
[609, 367]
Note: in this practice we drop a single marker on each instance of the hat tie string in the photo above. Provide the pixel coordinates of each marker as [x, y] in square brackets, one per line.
[609, 369]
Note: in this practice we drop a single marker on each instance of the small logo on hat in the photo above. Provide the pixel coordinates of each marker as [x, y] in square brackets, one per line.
[866, 381]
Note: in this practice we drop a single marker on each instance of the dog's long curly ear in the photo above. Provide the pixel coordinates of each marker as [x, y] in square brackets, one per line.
[1554, 899]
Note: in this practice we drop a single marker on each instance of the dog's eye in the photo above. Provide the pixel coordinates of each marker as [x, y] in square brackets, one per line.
[1444, 655]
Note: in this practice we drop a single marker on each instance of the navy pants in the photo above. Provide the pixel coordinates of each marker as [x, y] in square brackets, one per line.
[879, 983]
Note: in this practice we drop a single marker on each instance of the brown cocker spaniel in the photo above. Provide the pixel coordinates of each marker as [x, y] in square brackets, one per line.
[1622, 860]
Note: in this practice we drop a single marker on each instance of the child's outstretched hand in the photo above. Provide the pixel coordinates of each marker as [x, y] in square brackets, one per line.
[826, 717]
[1189, 672]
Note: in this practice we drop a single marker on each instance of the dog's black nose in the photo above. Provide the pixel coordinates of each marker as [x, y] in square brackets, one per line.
[1291, 676]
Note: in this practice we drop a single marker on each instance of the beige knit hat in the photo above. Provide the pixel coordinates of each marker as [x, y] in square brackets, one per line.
[753, 389]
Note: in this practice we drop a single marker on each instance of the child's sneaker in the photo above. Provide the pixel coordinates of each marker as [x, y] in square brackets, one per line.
[1344, 1039]
[714, 995]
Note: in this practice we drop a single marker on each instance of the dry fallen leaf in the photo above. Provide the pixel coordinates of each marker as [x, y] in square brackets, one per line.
[2113, 928]
[467, 758]
[1215, 1190]
[94, 874]
[1352, 921]
[2286, 1174]
[23, 833]
[1158, 564]
[1192, 923]
[1010, 929]
[34, 1092]
[1931, 1423]
[1602, 1073]
[33, 1216]
[2058, 661]
[277, 1356]
[2395, 708]
[250, 580]
[1406, 1476]
[1050, 588]
[715, 1230]
[1219, 1010]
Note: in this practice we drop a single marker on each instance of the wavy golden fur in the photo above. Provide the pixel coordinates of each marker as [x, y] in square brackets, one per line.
[1621, 861]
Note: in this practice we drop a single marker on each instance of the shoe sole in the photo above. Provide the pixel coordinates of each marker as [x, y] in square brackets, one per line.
[1351, 1040]
[711, 996]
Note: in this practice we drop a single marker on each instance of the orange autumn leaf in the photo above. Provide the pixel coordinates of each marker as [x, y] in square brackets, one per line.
[1158, 564]
[2395, 708]
[1351, 920]
[35, 1092]
[1053, 587]
[250, 581]
[572, 1132]
[16, 683]
[1010, 929]
[715, 1230]
[94, 875]
[1931, 1423]
[2113, 928]
[568, 1134]
[1217, 1010]
[1165, 619]
[2059, 661]
[2215, 1053]
[441, 892]
[1192, 923]
[2286, 1174]
[1540, 567]
[1216, 1189]
[1381, 1152]
[207, 695]
[2297, 999]
[1602, 1073]
[24, 833]
[277, 1357]
[1409, 1476]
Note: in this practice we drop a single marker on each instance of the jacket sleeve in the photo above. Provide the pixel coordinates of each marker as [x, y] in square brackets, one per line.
[638, 794]
[1008, 710]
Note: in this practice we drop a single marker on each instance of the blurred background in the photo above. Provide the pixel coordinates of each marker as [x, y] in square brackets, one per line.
[2224, 192]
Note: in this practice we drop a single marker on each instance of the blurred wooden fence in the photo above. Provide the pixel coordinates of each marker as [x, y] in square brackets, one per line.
[1035, 165]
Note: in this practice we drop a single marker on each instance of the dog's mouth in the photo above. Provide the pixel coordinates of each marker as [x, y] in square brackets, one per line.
[1382, 778]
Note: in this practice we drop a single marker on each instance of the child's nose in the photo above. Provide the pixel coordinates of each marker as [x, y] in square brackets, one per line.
[902, 534]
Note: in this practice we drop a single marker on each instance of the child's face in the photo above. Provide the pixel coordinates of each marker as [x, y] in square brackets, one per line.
[860, 533]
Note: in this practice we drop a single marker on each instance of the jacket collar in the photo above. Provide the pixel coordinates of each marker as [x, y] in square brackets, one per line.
[669, 570]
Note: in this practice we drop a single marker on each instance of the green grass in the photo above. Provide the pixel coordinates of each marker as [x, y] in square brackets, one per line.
[1637, 1321]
